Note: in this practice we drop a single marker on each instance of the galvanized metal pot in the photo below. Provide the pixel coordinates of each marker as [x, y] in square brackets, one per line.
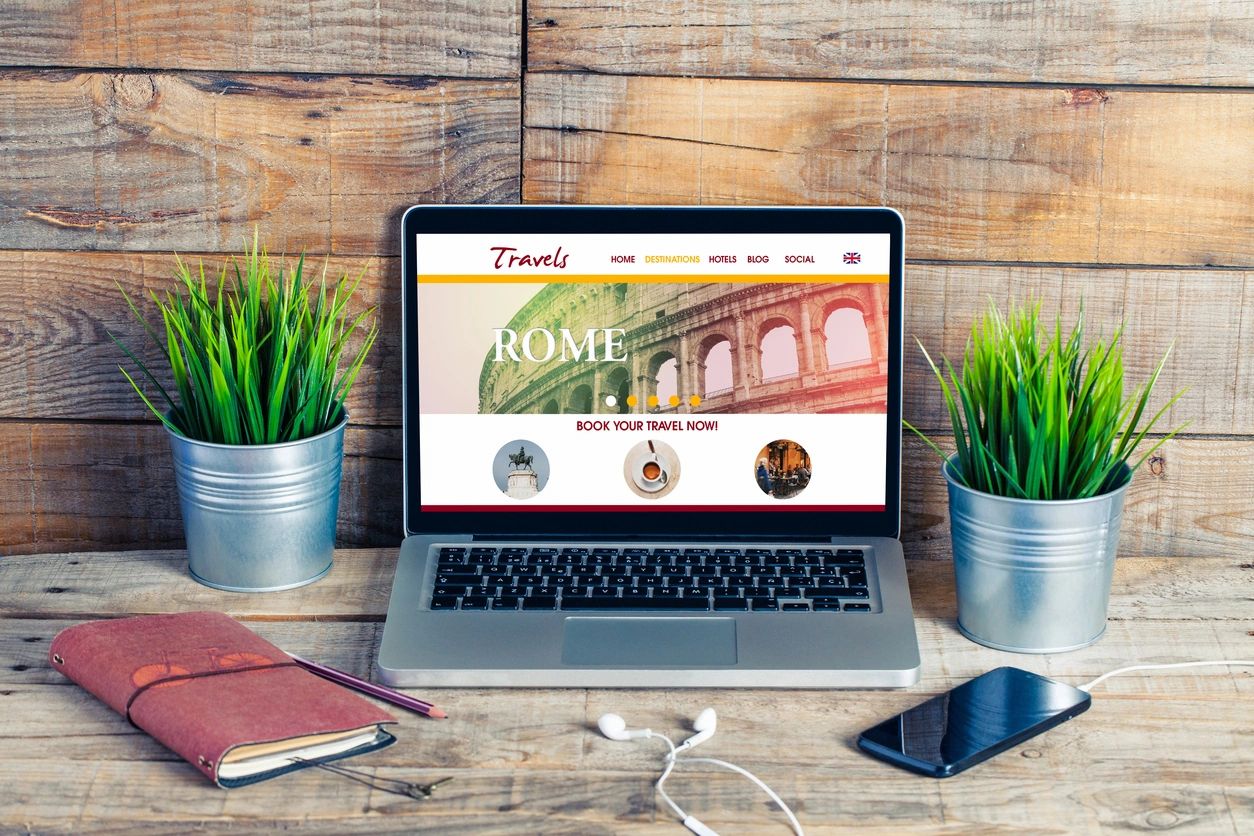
[259, 518]
[1033, 576]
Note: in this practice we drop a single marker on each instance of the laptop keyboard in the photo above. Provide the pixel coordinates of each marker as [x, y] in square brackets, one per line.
[621, 579]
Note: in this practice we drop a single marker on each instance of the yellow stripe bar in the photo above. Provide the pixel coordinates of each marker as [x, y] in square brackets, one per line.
[649, 278]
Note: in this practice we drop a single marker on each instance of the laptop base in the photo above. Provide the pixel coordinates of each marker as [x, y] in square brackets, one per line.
[425, 647]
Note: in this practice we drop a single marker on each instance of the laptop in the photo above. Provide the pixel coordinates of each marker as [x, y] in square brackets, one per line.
[651, 447]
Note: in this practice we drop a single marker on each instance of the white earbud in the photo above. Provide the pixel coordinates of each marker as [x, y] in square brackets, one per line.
[615, 728]
[704, 725]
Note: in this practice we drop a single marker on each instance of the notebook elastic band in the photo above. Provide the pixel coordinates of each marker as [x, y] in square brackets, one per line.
[199, 675]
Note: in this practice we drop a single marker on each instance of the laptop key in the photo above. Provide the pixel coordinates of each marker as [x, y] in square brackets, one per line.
[765, 604]
[731, 604]
[796, 607]
[579, 603]
[449, 589]
[444, 602]
[857, 607]
[458, 579]
[540, 602]
[505, 602]
[826, 605]
[474, 602]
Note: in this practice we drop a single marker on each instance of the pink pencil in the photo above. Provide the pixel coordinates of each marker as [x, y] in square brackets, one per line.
[378, 691]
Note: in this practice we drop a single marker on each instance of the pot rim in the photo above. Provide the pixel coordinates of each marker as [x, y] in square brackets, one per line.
[339, 427]
[945, 471]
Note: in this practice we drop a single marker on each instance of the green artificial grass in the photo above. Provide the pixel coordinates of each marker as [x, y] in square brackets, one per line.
[258, 361]
[1042, 417]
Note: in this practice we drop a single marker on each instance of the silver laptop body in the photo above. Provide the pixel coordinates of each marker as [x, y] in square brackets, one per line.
[432, 636]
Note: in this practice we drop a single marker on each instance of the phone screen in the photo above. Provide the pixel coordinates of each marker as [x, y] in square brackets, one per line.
[974, 721]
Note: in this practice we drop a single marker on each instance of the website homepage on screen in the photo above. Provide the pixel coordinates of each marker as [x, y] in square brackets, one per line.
[652, 372]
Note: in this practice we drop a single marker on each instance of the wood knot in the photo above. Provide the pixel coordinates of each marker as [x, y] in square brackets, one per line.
[1157, 465]
[135, 92]
[1082, 96]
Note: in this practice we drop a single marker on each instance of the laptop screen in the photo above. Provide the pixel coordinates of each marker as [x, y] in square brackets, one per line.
[674, 372]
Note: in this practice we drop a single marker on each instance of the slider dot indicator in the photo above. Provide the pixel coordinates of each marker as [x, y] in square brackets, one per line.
[674, 400]
[632, 400]
[611, 401]
[653, 401]
[695, 400]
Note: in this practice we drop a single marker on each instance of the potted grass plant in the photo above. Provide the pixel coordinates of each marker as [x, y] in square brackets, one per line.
[261, 365]
[1045, 434]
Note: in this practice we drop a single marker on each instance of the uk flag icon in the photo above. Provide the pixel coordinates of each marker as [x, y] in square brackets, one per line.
[853, 258]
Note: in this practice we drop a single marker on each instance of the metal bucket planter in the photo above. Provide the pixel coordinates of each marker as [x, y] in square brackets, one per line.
[259, 518]
[1033, 576]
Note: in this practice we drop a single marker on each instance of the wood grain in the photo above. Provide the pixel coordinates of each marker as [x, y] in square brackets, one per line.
[1205, 43]
[192, 161]
[1079, 175]
[61, 364]
[72, 485]
[530, 760]
[57, 310]
[443, 37]
[1194, 497]
[77, 486]
[36, 587]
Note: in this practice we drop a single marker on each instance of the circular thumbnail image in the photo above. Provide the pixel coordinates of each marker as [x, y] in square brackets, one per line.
[520, 469]
[651, 469]
[782, 469]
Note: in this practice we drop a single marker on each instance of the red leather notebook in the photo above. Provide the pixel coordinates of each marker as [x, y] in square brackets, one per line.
[233, 705]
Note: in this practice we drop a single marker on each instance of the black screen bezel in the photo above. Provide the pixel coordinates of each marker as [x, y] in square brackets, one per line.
[437, 219]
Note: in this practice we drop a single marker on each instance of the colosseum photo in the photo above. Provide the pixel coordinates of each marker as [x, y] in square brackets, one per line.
[704, 348]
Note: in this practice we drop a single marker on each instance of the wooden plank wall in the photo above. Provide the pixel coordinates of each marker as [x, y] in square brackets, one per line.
[1062, 149]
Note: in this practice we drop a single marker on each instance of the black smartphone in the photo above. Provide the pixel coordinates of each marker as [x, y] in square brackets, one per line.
[973, 722]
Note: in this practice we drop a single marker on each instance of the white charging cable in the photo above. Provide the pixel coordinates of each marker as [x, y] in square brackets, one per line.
[1089, 686]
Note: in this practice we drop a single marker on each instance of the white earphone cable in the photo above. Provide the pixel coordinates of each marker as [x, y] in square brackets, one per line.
[672, 758]
[792, 820]
[1089, 686]
[670, 765]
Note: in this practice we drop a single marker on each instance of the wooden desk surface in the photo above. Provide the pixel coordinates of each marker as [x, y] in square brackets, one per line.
[1167, 750]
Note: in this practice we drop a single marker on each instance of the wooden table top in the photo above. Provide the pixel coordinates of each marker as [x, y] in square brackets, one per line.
[1170, 749]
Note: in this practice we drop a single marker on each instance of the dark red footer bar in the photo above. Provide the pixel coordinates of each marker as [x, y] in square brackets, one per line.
[782, 506]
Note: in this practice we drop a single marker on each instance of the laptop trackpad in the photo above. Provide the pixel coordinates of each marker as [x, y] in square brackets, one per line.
[650, 642]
